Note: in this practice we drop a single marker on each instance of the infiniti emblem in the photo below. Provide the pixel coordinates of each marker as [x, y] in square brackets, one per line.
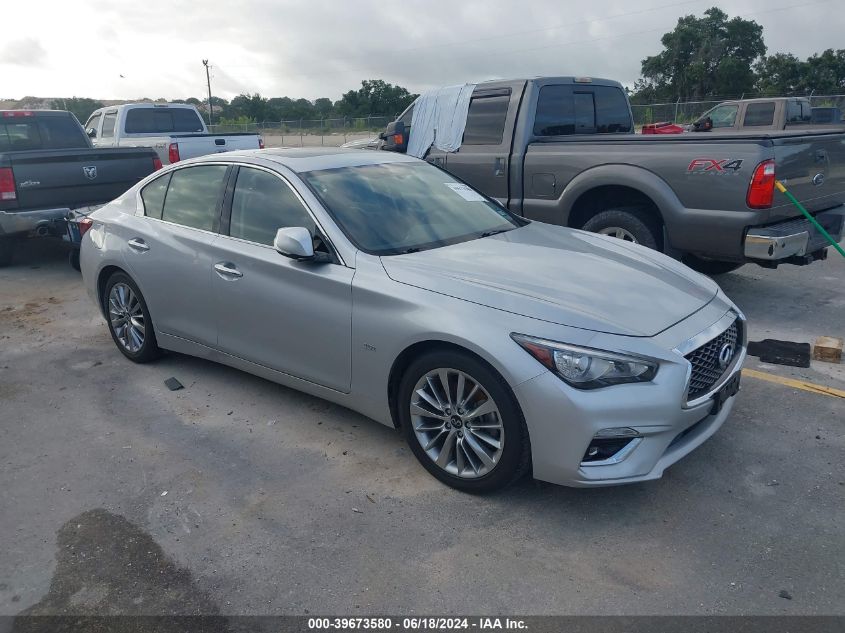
[726, 354]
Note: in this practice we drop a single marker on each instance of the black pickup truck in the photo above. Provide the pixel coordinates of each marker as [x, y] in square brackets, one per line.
[48, 168]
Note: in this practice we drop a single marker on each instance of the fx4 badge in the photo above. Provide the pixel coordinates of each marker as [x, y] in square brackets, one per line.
[714, 165]
[90, 172]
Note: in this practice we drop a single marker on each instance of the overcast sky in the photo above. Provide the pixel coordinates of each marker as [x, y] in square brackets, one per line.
[120, 49]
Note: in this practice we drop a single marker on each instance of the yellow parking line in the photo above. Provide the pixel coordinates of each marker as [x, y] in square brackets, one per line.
[797, 384]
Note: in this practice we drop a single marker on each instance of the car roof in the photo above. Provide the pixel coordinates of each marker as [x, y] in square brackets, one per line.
[302, 159]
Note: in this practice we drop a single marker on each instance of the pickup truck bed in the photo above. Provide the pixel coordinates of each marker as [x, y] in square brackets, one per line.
[39, 187]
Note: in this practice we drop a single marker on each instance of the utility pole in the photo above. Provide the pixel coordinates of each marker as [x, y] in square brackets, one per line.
[208, 81]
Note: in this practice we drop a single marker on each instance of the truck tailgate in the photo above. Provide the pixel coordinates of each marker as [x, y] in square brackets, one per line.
[191, 146]
[76, 177]
[812, 167]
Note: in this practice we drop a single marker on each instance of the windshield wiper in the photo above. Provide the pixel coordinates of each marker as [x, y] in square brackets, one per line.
[496, 232]
[413, 249]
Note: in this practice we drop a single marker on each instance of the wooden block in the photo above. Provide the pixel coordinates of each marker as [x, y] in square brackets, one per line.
[828, 349]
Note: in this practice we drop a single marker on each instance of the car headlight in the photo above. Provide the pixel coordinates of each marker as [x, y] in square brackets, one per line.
[587, 368]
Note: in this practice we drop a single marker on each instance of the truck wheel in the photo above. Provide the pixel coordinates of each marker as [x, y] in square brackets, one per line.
[7, 249]
[631, 224]
[710, 266]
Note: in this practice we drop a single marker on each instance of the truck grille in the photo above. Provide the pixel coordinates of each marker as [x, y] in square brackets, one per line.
[706, 369]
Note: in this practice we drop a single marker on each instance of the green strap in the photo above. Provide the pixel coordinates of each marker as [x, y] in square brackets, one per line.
[806, 213]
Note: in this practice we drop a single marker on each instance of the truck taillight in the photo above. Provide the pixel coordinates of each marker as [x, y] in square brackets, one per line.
[173, 152]
[761, 191]
[84, 224]
[7, 184]
[260, 143]
[156, 163]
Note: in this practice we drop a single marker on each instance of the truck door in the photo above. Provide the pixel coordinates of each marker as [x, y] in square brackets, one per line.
[483, 159]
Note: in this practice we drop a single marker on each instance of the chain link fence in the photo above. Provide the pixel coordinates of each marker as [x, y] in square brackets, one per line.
[689, 111]
[310, 132]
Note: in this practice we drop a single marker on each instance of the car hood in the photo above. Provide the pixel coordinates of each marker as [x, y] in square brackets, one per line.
[562, 276]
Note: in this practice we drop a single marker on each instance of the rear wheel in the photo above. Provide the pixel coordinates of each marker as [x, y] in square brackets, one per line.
[129, 320]
[710, 266]
[631, 224]
[7, 250]
[462, 422]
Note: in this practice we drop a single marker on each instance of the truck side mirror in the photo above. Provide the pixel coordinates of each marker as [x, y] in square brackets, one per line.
[395, 137]
[703, 125]
[91, 132]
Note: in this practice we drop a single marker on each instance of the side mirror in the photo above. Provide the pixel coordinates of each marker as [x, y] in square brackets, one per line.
[91, 132]
[395, 137]
[294, 242]
[703, 125]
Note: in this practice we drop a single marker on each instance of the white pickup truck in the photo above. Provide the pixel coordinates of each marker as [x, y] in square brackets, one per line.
[175, 130]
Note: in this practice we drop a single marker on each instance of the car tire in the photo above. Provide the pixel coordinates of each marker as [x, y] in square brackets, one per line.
[710, 266]
[632, 224]
[129, 319]
[73, 259]
[7, 250]
[480, 467]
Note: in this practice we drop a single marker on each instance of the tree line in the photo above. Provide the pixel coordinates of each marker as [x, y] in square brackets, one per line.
[714, 56]
[375, 97]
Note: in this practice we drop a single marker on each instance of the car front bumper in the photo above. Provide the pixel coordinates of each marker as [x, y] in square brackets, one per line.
[563, 422]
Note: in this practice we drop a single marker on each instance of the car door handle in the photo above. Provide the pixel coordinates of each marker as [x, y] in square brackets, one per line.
[228, 270]
[138, 244]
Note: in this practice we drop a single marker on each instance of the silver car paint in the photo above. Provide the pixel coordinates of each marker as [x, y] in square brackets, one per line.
[386, 317]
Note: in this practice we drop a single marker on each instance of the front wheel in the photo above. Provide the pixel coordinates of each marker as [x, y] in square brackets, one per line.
[129, 320]
[710, 266]
[462, 422]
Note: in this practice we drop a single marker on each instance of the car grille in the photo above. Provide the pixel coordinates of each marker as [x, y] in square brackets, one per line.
[705, 361]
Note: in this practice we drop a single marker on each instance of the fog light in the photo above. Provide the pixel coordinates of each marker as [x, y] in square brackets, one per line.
[611, 446]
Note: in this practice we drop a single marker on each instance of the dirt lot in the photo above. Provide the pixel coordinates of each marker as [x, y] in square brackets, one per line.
[236, 495]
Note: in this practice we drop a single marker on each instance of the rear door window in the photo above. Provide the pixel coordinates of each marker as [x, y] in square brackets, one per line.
[759, 114]
[565, 109]
[153, 195]
[193, 196]
[486, 120]
[262, 204]
[108, 125]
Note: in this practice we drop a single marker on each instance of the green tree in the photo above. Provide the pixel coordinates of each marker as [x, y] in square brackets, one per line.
[705, 56]
[81, 107]
[375, 96]
[784, 73]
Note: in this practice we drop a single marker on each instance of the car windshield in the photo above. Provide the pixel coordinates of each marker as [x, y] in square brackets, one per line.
[396, 208]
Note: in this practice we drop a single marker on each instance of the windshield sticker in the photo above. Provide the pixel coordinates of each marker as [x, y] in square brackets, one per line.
[465, 192]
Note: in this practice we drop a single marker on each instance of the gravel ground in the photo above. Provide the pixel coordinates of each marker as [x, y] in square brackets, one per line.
[238, 496]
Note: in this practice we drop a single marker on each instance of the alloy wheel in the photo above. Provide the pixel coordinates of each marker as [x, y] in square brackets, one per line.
[127, 317]
[457, 423]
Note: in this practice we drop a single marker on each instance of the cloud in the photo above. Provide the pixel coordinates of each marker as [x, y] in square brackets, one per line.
[322, 48]
[23, 52]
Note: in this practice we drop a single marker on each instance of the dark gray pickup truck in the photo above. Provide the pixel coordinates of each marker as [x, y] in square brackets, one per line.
[48, 168]
[562, 150]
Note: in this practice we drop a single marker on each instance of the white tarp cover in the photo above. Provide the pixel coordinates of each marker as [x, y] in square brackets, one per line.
[439, 118]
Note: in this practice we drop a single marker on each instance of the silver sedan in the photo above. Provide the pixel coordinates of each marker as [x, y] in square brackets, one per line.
[496, 345]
